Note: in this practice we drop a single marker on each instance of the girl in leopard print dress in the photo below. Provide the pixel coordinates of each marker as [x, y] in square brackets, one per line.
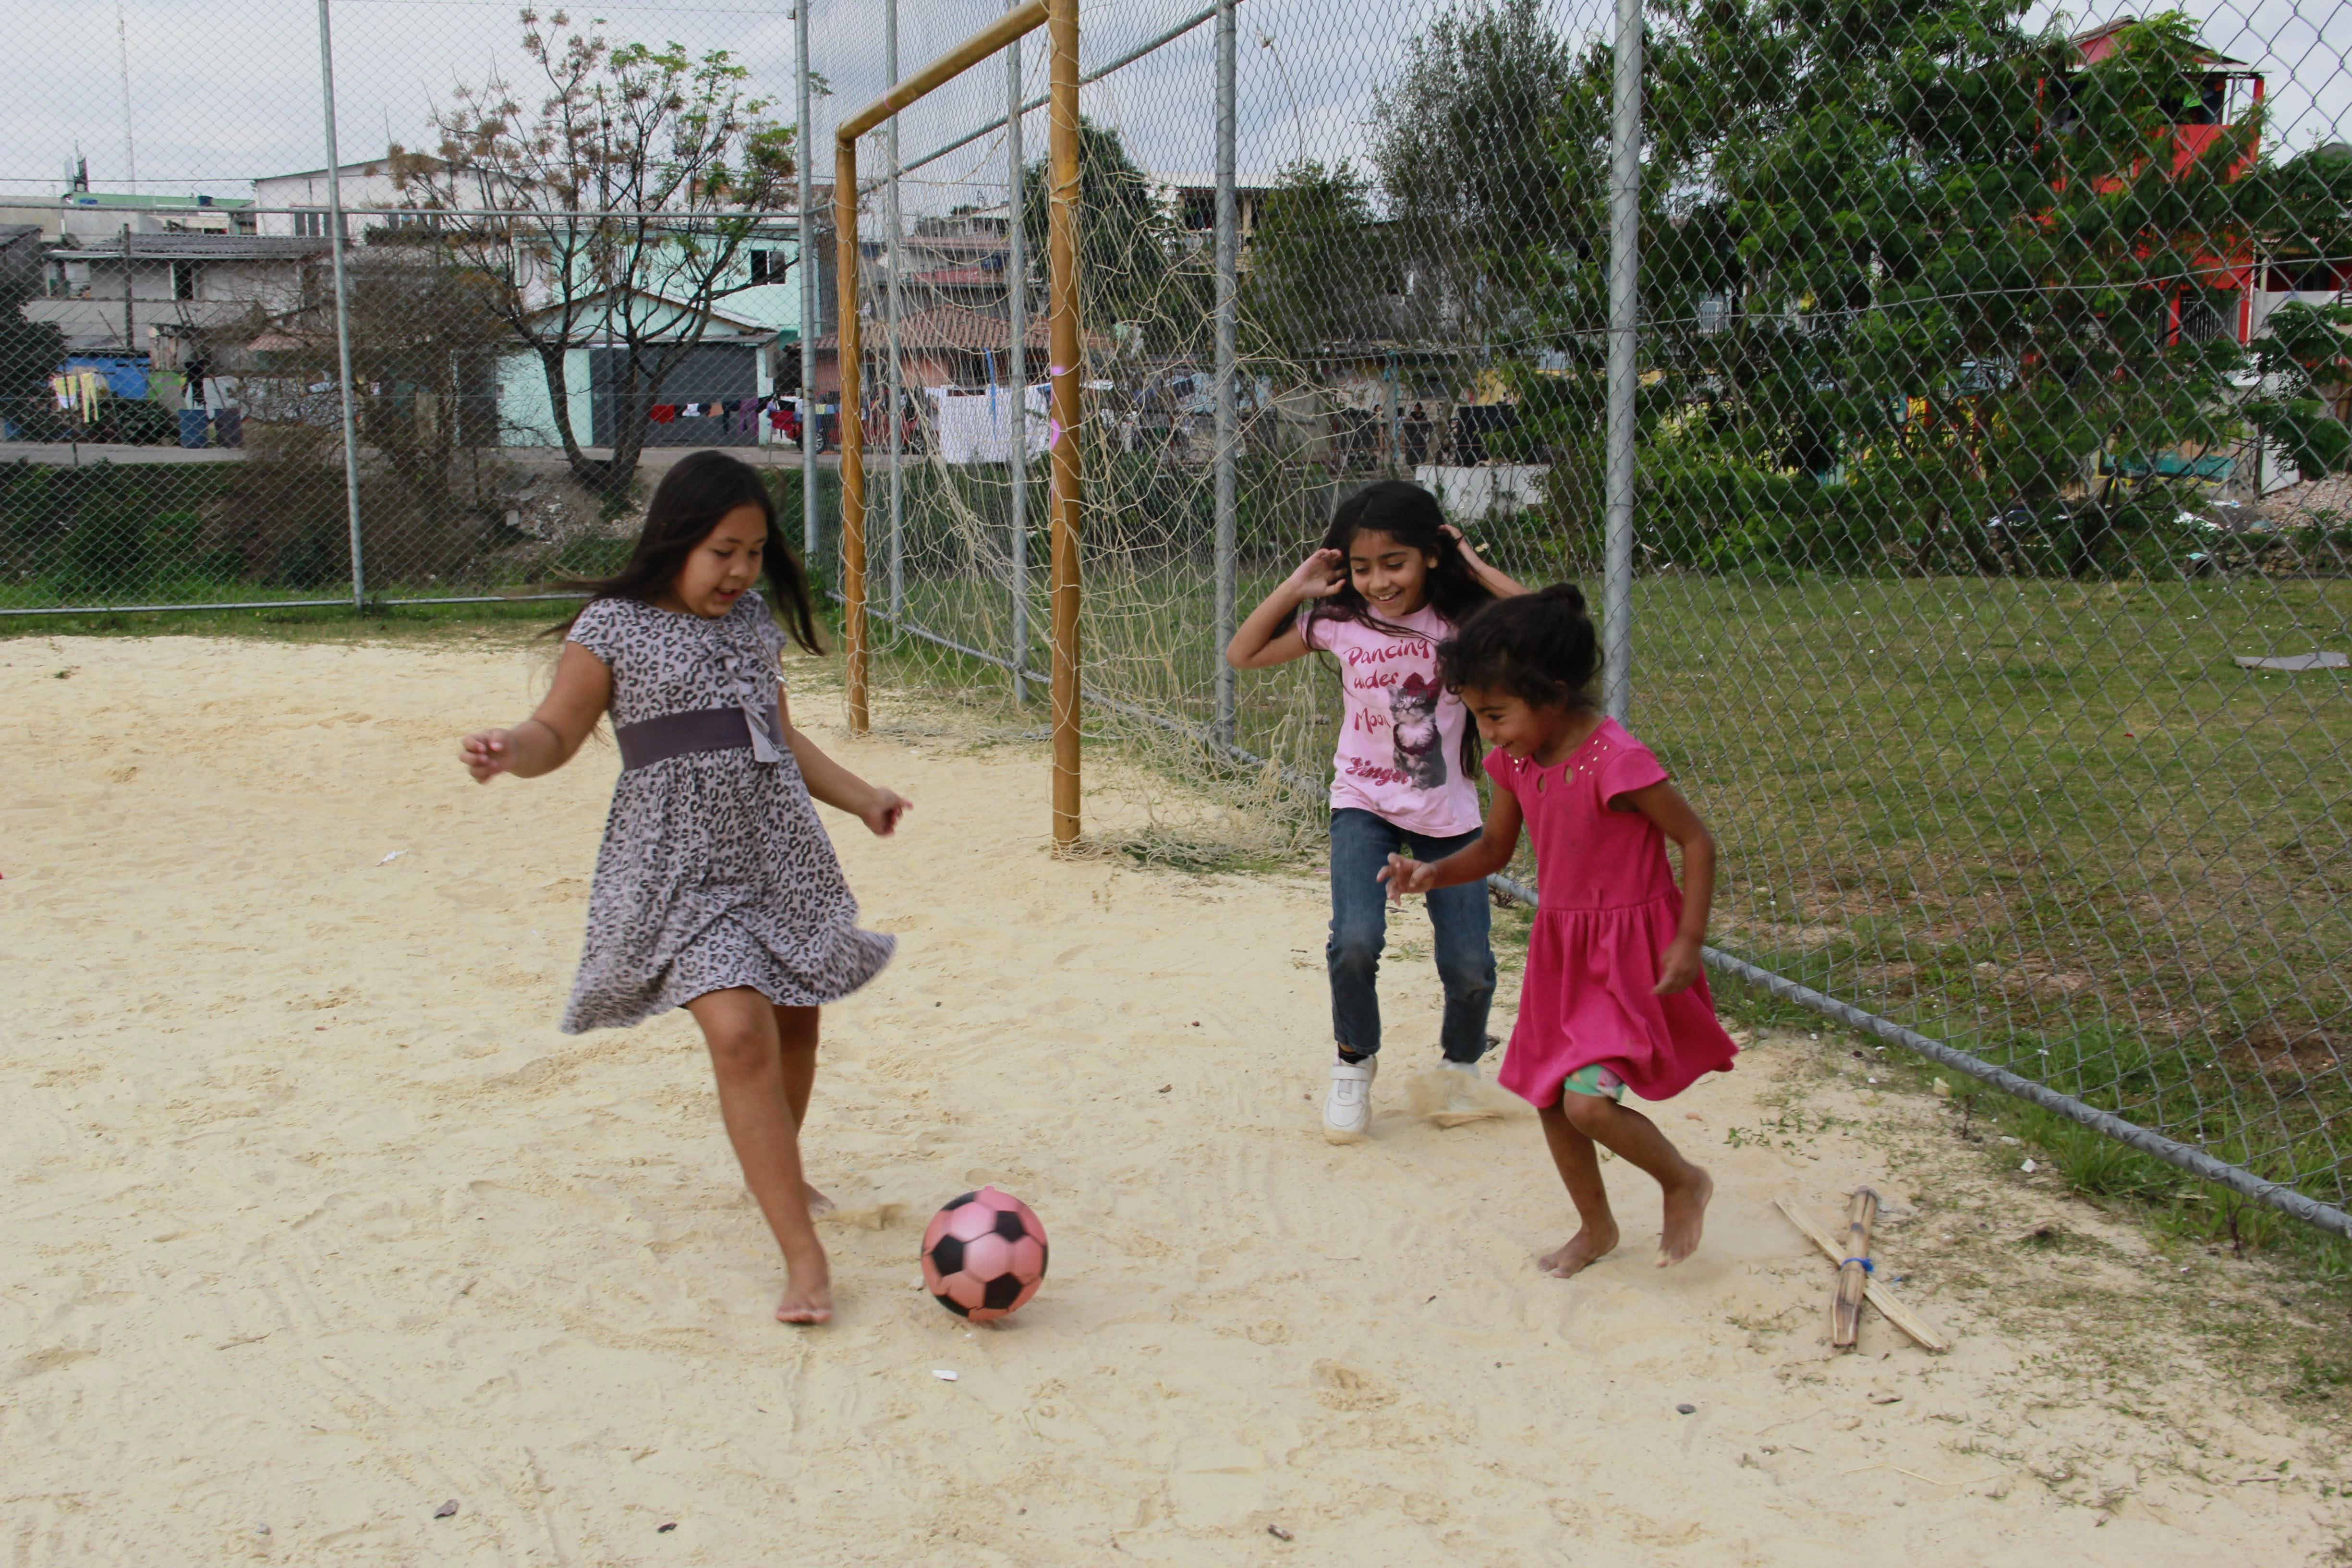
[717, 889]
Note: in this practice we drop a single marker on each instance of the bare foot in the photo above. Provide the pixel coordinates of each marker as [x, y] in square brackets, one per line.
[819, 1205]
[808, 1294]
[1587, 1246]
[1685, 1217]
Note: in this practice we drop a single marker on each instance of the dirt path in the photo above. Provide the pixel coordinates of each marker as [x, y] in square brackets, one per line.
[316, 1222]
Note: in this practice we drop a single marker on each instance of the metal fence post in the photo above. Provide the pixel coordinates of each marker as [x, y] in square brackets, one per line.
[342, 305]
[894, 389]
[1391, 430]
[1016, 286]
[1064, 361]
[811, 309]
[1228, 259]
[1625, 371]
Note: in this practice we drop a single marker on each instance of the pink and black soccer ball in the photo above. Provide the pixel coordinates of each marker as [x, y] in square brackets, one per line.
[984, 1255]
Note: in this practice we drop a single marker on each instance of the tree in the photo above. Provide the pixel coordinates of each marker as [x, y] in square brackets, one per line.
[1319, 275]
[623, 196]
[1970, 274]
[426, 337]
[1127, 239]
[30, 351]
[2306, 354]
[1465, 148]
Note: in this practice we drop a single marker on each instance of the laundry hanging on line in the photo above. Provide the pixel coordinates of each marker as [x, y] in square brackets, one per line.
[79, 392]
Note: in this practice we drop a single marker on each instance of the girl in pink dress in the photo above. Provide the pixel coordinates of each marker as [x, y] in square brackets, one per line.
[1614, 997]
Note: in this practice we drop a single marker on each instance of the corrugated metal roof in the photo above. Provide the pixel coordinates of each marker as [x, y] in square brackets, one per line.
[190, 248]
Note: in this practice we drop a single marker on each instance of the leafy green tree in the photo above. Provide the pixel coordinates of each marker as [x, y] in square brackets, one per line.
[1957, 273]
[1464, 145]
[1127, 239]
[2306, 352]
[30, 351]
[1321, 276]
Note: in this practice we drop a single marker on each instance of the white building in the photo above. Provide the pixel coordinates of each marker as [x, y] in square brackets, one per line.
[297, 204]
[118, 293]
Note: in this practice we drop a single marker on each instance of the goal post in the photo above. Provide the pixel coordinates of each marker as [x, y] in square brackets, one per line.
[1060, 18]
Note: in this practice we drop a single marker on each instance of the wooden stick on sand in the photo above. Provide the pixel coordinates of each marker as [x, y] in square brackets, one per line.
[1853, 1270]
[1895, 1310]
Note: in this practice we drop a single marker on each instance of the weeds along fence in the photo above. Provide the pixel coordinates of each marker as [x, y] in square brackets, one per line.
[1946, 404]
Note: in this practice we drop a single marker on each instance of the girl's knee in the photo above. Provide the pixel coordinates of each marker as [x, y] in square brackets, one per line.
[1357, 947]
[796, 1028]
[1588, 1113]
[739, 1050]
[1467, 980]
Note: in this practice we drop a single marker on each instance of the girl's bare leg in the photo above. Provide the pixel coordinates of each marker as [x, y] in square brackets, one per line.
[749, 1057]
[1635, 1138]
[796, 1029]
[1580, 1169]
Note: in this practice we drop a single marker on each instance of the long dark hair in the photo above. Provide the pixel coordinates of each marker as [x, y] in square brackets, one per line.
[692, 496]
[1410, 515]
[1540, 648]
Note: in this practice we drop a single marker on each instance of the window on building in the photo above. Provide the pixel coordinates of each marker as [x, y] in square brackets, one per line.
[309, 223]
[767, 267]
[2202, 320]
[183, 280]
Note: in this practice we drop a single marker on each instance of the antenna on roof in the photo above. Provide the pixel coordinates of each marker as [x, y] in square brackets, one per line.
[129, 157]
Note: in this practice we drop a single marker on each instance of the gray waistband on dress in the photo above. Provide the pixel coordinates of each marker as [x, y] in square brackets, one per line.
[651, 741]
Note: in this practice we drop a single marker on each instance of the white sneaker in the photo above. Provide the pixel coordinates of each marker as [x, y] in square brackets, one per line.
[1347, 1109]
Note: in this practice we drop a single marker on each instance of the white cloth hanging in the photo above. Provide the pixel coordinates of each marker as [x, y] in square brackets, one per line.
[980, 426]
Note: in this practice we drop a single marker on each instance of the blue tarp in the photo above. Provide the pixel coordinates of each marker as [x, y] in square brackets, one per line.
[126, 375]
[2172, 466]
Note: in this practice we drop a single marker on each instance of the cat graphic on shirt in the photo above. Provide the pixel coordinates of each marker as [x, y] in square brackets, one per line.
[1420, 748]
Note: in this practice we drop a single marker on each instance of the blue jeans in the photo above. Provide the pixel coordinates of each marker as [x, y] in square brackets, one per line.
[1362, 844]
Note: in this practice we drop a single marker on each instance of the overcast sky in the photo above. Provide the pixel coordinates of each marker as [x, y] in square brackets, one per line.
[225, 90]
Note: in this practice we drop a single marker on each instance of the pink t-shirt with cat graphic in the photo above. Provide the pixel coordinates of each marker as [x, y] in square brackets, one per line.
[1400, 751]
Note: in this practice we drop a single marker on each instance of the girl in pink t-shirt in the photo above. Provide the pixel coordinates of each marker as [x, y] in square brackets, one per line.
[1390, 582]
[1614, 997]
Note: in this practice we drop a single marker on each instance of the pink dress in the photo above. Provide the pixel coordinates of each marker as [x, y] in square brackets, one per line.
[1608, 911]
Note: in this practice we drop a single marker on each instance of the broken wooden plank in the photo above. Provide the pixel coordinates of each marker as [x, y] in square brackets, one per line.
[1891, 1306]
[1854, 1271]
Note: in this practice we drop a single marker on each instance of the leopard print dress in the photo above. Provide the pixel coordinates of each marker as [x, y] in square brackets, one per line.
[715, 871]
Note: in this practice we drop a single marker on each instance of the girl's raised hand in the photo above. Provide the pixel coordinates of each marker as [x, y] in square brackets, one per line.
[486, 754]
[1404, 876]
[1319, 575]
[881, 817]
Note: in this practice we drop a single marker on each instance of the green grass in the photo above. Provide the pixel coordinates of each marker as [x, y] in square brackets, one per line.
[2049, 821]
[2174, 1208]
[329, 623]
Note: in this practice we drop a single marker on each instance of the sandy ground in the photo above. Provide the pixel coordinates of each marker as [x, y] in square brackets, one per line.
[316, 1222]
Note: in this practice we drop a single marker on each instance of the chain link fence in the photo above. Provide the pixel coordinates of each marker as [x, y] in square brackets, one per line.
[1967, 491]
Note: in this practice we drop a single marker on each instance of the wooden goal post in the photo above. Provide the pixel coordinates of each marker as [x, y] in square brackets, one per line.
[1060, 18]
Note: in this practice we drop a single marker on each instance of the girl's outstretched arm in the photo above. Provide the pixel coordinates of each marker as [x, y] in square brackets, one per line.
[1679, 966]
[1268, 637]
[829, 782]
[546, 741]
[1499, 582]
[1471, 863]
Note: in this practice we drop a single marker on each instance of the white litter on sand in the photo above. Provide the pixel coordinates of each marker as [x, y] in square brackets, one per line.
[2298, 661]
